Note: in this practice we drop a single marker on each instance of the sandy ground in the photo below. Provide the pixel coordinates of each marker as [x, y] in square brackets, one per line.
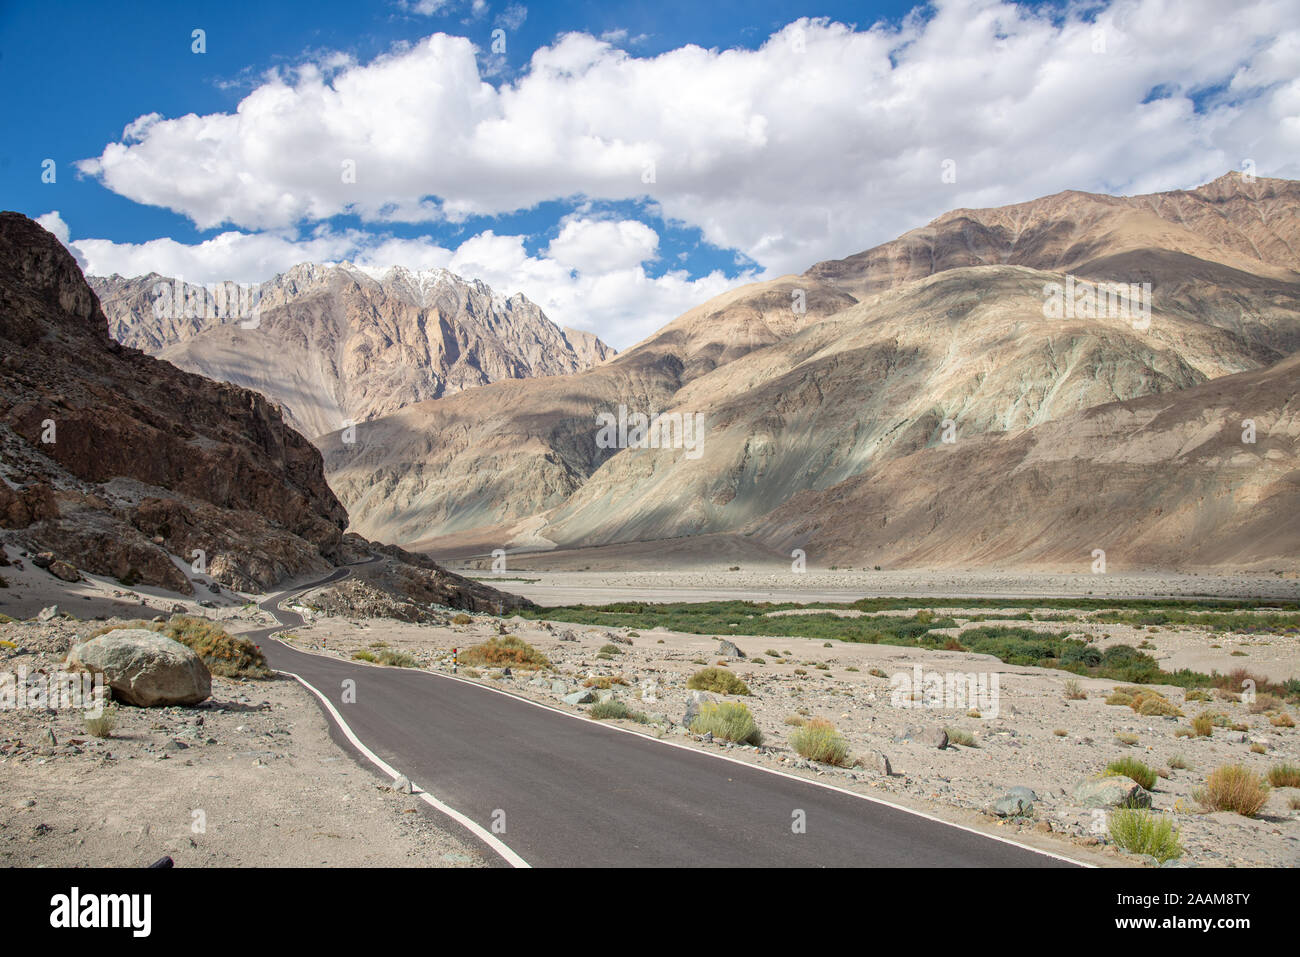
[329, 810]
[1017, 741]
[778, 583]
[249, 778]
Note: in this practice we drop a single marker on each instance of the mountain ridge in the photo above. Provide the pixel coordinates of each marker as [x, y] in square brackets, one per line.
[800, 402]
[334, 343]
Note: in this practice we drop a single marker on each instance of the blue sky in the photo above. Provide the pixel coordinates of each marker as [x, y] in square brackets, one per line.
[618, 162]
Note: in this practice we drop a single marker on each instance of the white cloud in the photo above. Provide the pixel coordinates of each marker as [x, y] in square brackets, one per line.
[593, 246]
[55, 224]
[822, 142]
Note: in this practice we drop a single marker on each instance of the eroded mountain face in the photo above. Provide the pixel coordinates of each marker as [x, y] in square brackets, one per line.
[333, 344]
[124, 465]
[945, 325]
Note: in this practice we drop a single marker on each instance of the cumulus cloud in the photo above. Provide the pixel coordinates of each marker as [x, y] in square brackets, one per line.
[55, 224]
[592, 246]
[825, 140]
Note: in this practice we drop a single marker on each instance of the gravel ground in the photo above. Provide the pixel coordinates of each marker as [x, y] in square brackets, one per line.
[1034, 737]
[250, 778]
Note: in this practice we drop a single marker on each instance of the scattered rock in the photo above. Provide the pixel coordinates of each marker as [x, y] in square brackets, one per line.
[48, 614]
[729, 650]
[693, 706]
[581, 696]
[1111, 791]
[402, 785]
[1017, 802]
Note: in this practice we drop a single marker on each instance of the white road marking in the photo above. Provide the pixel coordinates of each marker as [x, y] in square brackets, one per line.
[487, 837]
[671, 744]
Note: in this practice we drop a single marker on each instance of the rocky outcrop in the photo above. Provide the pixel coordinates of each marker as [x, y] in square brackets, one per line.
[22, 506]
[96, 434]
[333, 344]
[144, 668]
[123, 465]
[392, 588]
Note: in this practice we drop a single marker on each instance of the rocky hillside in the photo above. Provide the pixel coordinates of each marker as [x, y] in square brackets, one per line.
[332, 344]
[945, 325]
[1164, 481]
[123, 465]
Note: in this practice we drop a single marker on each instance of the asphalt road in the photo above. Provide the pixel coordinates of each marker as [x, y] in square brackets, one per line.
[574, 792]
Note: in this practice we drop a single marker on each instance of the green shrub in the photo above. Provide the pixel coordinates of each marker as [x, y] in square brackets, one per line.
[1141, 832]
[817, 740]
[1135, 770]
[397, 659]
[102, 726]
[728, 720]
[613, 708]
[717, 680]
[962, 737]
[364, 655]
[610, 650]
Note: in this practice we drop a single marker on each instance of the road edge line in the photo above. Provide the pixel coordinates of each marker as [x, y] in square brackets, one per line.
[494, 842]
[721, 757]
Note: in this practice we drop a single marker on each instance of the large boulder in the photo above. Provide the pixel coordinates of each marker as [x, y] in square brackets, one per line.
[144, 668]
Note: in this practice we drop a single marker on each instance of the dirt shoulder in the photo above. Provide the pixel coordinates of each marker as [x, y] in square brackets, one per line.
[251, 778]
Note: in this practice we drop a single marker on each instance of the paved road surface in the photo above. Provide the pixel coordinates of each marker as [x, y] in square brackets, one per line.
[574, 792]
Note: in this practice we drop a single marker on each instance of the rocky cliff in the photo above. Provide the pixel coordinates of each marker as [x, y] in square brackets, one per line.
[126, 466]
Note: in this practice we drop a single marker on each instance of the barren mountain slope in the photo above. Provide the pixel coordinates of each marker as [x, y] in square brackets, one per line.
[1164, 481]
[877, 381]
[509, 450]
[1253, 227]
[802, 401]
[333, 344]
[123, 465]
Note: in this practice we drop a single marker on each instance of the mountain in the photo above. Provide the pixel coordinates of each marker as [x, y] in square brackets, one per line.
[124, 465]
[947, 324]
[1164, 481]
[336, 344]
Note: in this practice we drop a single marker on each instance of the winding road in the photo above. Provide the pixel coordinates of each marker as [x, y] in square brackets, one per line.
[535, 786]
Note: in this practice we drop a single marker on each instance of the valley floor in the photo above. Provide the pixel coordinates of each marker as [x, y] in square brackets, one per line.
[1035, 737]
[275, 788]
[571, 582]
